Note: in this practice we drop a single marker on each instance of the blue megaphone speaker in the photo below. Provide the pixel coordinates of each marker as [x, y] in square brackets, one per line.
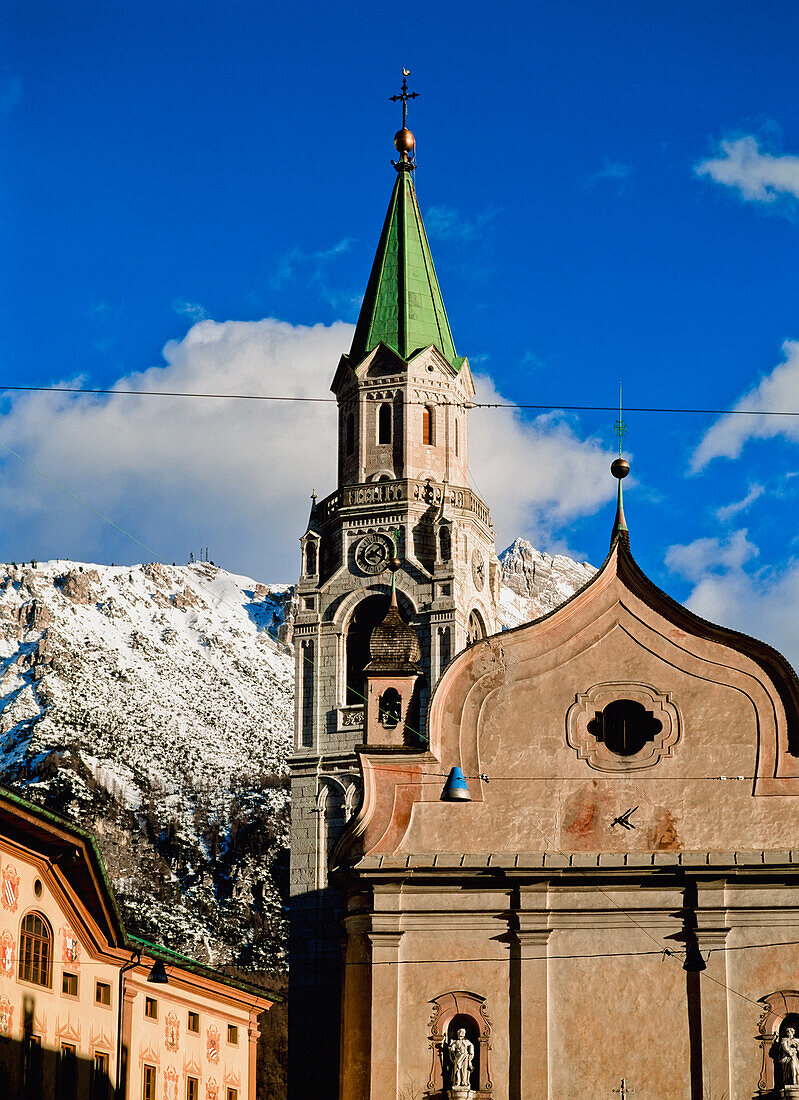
[456, 788]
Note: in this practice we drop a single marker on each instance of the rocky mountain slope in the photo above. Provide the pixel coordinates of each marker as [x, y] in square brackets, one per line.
[534, 583]
[154, 704]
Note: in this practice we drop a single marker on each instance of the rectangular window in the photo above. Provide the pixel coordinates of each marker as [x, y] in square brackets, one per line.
[67, 1076]
[192, 1088]
[32, 1065]
[232, 1094]
[100, 1079]
[148, 1089]
[232, 1033]
[194, 1022]
[102, 993]
[69, 984]
[151, 1008]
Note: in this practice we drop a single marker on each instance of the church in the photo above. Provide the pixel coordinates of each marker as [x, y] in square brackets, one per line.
[545, 863]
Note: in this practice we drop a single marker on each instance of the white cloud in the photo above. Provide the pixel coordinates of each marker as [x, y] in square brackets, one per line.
[778, 391]
[729, 511]
[724, 592]
[447, 224]
[236, 476]
[541, 477]
[755, 175]
[613, 172]
[193, 310]
[695, 560]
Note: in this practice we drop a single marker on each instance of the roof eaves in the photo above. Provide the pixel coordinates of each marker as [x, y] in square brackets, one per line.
[174, 958]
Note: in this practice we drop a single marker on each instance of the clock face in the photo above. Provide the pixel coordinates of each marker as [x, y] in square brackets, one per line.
[373, 553]
[478, 570]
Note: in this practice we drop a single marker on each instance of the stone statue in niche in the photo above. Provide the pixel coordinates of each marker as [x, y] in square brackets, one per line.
[785, 1053]
[461, 1060]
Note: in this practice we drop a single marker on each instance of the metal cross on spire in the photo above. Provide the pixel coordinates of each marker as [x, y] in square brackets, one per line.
[404, 95]
[620, 427]
[624, 1089]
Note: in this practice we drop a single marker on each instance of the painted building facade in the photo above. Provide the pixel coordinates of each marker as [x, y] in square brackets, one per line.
[78, 1016]
[402, 508]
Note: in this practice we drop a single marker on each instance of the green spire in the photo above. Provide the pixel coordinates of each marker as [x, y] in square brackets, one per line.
[403, 307]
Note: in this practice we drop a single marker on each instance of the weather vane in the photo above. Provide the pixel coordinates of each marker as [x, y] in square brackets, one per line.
[620, 427]
[404, 95]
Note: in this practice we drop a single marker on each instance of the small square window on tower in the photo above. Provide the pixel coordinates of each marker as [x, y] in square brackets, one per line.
[232, 1033]
[102, 993]
[193, 1023]
[69, 984]
[151, 1008]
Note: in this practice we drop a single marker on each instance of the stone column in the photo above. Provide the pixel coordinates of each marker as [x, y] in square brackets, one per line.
[529, 1023]
[384, 1014]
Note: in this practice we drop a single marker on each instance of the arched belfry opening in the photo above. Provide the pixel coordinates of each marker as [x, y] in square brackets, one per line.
[369, 613]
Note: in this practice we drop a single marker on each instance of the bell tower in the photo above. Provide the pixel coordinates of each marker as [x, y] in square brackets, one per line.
[401, 547]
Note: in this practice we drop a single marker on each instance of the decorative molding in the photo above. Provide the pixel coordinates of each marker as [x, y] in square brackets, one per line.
[597, 755]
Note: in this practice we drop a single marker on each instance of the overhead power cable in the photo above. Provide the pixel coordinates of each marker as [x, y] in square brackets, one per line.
[459, 404]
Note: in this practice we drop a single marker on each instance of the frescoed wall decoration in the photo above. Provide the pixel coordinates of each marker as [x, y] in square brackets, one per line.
[171, 1031]
[212, 1044]
[6, 1016]
[9, 888]
[70, 947]
[7, 946]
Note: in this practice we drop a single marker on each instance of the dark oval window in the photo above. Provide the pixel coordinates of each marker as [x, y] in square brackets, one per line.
[624, 726]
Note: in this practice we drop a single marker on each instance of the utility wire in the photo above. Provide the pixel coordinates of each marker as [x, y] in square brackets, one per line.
[458, 404]
[597, 955]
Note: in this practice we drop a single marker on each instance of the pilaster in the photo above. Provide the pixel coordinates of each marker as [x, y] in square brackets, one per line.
[384, 1013]
[529, 1023]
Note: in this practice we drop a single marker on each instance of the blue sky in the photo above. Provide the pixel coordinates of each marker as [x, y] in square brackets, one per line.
[610, 191]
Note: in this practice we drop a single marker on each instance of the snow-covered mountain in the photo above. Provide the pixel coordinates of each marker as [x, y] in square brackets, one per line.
[534, 583]
[154, 704]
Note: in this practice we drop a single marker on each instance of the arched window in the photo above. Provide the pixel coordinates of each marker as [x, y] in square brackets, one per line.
[310, 557]
[444, 648]
[444, 542]
[390, 708]
[384, 424]
[457, 440]
[428, 426]
[36, 950]
[349, 434]
[307, 670]
[475, 629]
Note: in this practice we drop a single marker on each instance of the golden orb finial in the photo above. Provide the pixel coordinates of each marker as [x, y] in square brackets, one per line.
[620, 467]
[404, 141]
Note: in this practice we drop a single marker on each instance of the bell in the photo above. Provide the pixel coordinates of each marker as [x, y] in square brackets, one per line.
[456, 788]
[158, 974]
